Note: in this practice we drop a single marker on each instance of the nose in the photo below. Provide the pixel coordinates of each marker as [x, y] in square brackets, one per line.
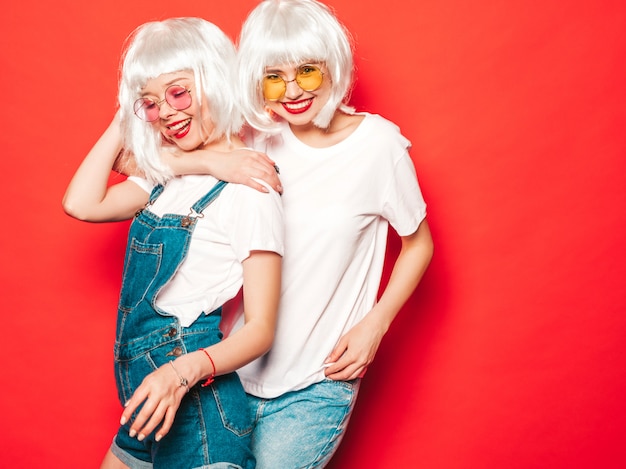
[292, 90]
[165, 110]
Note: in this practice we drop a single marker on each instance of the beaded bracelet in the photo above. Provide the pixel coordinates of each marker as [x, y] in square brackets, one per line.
[211, 378]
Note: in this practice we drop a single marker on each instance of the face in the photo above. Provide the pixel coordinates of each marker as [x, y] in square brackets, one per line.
[295, 104]
[181, 120]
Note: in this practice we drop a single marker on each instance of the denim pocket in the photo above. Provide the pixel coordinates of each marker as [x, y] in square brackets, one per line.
[142, 263]
[232, 404]
[129, 374]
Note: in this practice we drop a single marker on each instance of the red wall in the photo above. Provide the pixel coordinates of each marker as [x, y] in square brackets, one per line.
[510, 354]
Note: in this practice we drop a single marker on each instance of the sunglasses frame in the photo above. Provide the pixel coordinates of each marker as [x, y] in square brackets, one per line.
[142, 103]
[296, 79]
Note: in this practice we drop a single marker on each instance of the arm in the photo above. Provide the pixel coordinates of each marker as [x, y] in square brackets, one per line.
[161, 392]
[239, 166]
[88, 196]
[356, 349]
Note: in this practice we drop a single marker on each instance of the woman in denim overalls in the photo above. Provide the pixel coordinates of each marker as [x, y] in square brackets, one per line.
[194, 241]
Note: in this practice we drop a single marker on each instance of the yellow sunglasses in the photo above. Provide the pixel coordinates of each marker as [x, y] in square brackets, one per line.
[308, 77]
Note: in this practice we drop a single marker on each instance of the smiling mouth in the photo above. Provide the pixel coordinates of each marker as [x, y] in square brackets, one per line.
[179, 129]
[297, 107]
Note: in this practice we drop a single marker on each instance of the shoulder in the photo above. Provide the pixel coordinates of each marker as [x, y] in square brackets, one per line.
[245, 195]
[381, 134]
[247, 212]
[260, 141]
[381, 124]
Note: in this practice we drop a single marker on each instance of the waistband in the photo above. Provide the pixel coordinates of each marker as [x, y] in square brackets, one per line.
[203, 332]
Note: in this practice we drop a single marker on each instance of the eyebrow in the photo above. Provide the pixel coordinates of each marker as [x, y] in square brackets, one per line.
[173, 81]
[301, 64]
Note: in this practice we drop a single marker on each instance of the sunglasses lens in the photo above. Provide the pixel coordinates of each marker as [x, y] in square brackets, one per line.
[146, 109]
[178, 97]
[273, 87]
[309, 77]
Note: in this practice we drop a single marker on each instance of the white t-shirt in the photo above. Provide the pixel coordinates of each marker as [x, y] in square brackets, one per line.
[240, 220]
[337, 203]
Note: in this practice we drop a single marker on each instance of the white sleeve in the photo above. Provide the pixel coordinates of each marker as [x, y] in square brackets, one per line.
[143, 183]
[404, 206]
[254, 221]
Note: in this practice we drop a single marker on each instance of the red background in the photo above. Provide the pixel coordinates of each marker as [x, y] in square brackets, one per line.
[510, 354]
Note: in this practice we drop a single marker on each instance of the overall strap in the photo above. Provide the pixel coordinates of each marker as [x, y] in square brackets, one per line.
[155, 193]
[209, 197]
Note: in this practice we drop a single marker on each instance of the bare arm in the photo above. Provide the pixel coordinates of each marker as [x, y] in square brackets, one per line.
[240, 166]
[356, 350]
[161, 392]
[88, 196]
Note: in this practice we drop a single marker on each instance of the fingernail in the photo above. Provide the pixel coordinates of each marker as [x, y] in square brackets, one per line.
[158, 437]
[140, 437]
[122, 420]
[132, 433]
[126, 403]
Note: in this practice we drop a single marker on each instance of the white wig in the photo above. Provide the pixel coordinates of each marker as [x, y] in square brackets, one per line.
[174, 45]
[293, 32]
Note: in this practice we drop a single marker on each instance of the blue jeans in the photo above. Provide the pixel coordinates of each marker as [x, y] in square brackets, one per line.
[302, 429]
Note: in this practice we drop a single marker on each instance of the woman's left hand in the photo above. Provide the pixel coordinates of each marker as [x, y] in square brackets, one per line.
[355, 351]
[161, 393]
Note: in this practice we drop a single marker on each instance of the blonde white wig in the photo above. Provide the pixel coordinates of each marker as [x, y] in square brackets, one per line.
[293, 32]
[174, 45]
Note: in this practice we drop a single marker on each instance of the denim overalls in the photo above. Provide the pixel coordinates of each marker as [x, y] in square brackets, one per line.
[212, 426]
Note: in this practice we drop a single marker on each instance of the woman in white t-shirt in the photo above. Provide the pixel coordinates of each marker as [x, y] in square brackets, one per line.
[194, 241]
[346, 177]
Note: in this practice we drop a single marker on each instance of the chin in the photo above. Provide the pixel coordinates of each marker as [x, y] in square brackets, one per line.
[189, 145]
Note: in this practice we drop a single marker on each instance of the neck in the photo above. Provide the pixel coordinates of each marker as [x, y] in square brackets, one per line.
[223, 144]
[339, 128]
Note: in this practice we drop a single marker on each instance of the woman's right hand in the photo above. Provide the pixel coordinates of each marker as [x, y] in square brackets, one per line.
[240, 166]
[160, 393]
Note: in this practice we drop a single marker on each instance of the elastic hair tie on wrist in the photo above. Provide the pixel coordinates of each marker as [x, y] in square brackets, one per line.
[211, 378]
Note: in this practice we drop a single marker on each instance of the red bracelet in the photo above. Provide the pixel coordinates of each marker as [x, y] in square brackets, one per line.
[211, 378]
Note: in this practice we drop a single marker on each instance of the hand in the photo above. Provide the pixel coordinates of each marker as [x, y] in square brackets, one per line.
[355, 351]
[126, 164]
[243, 165]
[238, 166]
[161, 394]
